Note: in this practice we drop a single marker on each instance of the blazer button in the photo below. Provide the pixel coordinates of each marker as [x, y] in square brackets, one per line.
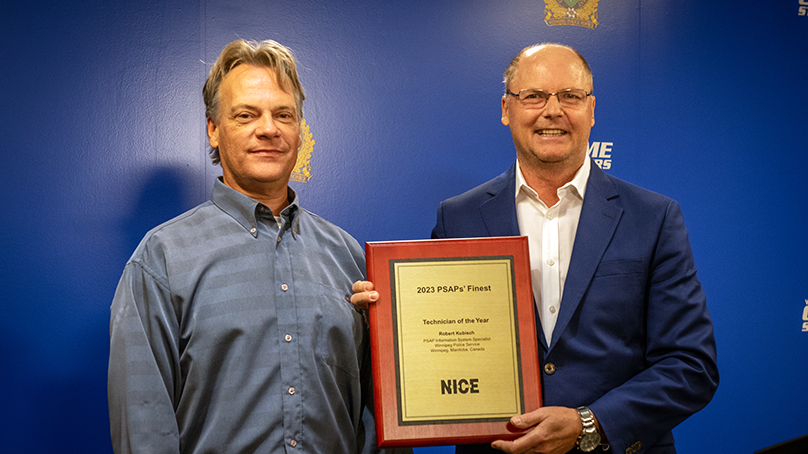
[549, 368]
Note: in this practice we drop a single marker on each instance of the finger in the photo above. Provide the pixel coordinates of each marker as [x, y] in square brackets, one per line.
[514, 447]
[364, 300]
[528, 419]
[365, 295]
[519, 422]
[362, 286]
[504, 446]
[529, 442]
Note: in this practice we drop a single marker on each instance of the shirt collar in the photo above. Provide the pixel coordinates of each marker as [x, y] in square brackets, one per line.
[247, 211]
[578, 182]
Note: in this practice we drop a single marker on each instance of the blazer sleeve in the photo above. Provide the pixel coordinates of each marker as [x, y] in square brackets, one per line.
[681, 373]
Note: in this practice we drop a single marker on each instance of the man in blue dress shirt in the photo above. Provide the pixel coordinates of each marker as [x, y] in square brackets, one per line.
[230, 328]
[626, 342]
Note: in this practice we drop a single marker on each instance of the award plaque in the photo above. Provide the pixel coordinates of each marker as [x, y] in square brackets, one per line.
[453, 340]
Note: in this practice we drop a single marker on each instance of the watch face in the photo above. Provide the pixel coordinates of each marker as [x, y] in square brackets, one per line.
[589, 442]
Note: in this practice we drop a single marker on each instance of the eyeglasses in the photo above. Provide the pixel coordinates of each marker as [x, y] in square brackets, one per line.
[536, 99]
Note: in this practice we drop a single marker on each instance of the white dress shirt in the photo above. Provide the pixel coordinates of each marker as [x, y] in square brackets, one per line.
[551, 234]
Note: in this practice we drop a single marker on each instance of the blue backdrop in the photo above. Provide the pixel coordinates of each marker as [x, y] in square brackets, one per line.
[104, 138]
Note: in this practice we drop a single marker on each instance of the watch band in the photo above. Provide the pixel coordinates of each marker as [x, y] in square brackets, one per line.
[589, 439]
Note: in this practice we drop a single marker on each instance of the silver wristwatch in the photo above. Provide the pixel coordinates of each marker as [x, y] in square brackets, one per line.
[589, 438]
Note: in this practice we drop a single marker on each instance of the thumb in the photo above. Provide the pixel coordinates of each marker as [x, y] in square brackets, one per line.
[528, 419]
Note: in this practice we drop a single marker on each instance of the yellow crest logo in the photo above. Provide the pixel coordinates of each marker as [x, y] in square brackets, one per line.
[302, 170]
[581, 13]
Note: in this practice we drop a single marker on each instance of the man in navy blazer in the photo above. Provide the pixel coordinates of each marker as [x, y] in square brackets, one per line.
[627, 349]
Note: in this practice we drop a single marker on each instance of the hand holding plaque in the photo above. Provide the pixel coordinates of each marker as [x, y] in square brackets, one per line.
[453, 340]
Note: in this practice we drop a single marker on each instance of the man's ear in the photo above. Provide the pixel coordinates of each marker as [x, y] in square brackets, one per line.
[213, 133]
[505, 120]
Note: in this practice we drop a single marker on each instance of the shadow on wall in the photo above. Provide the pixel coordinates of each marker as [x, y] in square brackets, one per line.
[164, 195]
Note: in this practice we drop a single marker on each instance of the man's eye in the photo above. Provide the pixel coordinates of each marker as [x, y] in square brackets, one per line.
[531, 95]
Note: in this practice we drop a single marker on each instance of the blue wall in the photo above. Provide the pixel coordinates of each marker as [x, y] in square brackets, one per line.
[103, 127]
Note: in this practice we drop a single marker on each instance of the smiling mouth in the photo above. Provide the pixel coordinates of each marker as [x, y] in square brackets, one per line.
[551, 132]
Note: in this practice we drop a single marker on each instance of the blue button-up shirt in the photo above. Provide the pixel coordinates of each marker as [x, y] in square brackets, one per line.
[231, 333]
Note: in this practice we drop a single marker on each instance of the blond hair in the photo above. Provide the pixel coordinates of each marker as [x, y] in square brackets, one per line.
[269, 54]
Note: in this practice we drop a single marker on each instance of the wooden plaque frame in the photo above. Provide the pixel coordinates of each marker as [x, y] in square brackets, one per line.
[391, 429]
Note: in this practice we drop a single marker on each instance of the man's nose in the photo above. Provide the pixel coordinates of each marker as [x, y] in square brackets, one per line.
[266, 126]
[553, 106]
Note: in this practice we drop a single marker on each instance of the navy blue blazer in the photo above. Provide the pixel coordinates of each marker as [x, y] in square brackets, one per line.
[633, 340]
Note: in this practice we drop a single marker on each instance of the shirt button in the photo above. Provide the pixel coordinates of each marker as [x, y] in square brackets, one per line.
[550, 216]
[552, 309]
[284, 287]
[292, 391]
[550, 262]
[293, 443]
[549, 368]
[288, 338]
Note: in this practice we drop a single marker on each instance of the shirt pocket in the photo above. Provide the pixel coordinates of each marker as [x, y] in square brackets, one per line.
[339, 331]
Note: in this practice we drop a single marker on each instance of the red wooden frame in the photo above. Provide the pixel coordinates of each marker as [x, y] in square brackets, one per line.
[390, 432]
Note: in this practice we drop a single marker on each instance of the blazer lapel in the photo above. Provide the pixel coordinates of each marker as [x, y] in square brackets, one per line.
[499, 212]
[599, 218]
